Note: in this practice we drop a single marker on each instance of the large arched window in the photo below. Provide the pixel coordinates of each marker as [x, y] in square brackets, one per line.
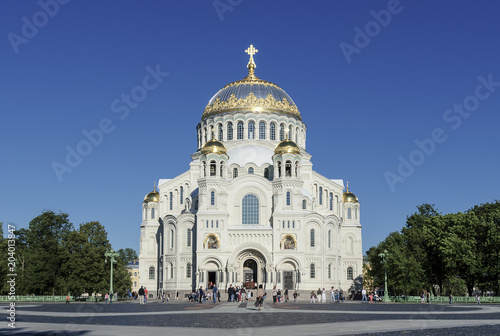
[287, 198]
[189, 237]
[188, 270]
[229, 131]
[311, 234]
[313, 271]
[250, 209]
[151, 273]
[282, 132]
[171, 200]
[171, 238]
[182, 194]
[251, 130]
[235, 172]
[288, 168]
[320, 195]
[250, 170]
[350, 273]
[266, 173]
[304, 204]
[212, 198]
[349, 215]
[273, 131]
[239, 130]
[262, 130]
[331, 201]
[221, 133]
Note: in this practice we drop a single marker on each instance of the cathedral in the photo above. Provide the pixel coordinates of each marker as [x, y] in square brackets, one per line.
[250, 210]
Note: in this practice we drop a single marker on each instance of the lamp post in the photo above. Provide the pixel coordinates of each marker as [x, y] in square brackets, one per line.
[384, 260]
[111, 254]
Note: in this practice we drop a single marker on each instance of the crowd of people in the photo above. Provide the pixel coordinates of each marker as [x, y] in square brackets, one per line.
[336, 295]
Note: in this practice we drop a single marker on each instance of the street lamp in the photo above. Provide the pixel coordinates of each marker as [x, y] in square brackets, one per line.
[384, 260]
[111, 254]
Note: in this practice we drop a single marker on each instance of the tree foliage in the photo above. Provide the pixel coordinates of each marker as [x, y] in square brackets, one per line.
[452, 253]
[54, 258]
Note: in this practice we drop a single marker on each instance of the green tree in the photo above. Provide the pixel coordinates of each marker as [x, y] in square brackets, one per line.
[128, 255]
[43, 273]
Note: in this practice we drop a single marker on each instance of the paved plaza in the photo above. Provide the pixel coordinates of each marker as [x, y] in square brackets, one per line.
[187, 319]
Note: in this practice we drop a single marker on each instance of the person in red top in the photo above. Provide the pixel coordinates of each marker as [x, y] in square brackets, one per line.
[67, 299]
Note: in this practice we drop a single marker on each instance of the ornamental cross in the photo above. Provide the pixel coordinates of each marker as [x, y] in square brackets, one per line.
[251, 51]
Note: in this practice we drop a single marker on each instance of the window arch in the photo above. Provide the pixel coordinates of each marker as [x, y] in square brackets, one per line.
[349, 214]
[287, 198]
[262, 130]
[151, 273]
[266, 173]
[288, 168]
[273, 131]
[171, 196]
[235, 172]
[239, 130]
[188, 236]
[282, 132]
[311, 233]
[331, 201]
[304, 204]
[171, 271]
[251, 130]
[250, 209]
[329, 238]
[350, 273]
[250, 170]
[182, 195]
[229, 131]
[313, 271]
[212, 198]
[329, 271]
[320, 195]
[290, 132]
[188, 270]
[171, 238]
[221, 133]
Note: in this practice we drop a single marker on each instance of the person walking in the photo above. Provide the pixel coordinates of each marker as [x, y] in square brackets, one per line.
[313, 297]
[286, 294]
[141, 295]
[295, 294]
[275, 295]
[106, 298]
[67, 299]
[451, 298]
[145, 295]
[260, 297]
[478, 299]
[201, 295]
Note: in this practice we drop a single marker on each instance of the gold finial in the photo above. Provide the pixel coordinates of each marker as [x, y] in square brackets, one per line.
[154, 186]
[347, 186]
[251, 64]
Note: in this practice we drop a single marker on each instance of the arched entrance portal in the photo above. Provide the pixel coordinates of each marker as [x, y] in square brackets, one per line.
[249, 273]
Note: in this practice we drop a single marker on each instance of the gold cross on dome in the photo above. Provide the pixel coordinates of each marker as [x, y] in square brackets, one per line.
[251, 51]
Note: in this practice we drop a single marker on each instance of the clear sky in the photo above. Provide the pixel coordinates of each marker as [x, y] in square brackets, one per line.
[401, 99]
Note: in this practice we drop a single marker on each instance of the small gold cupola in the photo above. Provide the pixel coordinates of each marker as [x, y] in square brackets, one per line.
[213, 146]
[153, 196]
[349, 197]
[287, 146]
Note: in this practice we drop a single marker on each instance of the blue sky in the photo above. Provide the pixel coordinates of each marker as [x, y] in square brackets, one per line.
[401, 99]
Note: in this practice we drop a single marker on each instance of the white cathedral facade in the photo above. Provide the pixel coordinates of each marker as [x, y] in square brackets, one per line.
[250, 209]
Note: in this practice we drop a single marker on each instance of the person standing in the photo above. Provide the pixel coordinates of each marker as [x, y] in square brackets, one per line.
[323, 295]
[286, 294]
[451, 298]
[478, 299]
[201, 294]
[275, 294]
[145, 295]
[214, 293]
[313, 297]
[295, 294]
[141, 295]
[67, 299]
[318, 295]
[218, 295]
[332, 295]
[106, 298]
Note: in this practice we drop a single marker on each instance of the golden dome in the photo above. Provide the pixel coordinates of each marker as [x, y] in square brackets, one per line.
[251, 94]
[349, 197]
[153, 196]
[287, 146]
[213, 146]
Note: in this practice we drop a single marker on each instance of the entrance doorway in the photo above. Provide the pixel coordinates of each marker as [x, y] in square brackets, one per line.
[249, 273]
[288, 279]
[211, 279]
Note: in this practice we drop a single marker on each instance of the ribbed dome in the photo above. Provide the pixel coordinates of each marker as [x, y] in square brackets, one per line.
[287, 146]
[251, 94]
[153, 196]
[213, 146]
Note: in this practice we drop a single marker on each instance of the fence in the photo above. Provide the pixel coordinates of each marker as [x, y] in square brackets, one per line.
[446, 299]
